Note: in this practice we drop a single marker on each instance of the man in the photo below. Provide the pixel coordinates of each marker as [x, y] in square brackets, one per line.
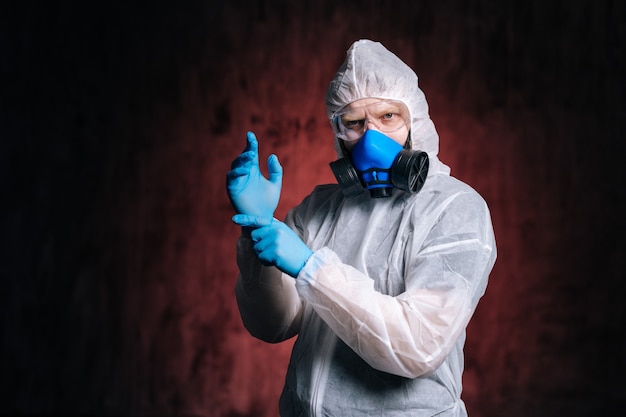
[379, 274]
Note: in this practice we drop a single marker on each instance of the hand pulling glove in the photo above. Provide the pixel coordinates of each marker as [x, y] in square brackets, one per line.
[276, 244]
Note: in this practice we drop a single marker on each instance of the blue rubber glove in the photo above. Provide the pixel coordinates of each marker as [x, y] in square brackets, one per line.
[276, 244]
[248, 190]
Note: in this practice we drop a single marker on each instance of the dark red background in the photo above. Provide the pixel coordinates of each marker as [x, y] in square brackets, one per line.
[118, 124]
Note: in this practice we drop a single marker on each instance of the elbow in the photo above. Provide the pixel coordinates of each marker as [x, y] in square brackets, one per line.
[269, 335]
[419, 364]
[424, 368]
[422, 362]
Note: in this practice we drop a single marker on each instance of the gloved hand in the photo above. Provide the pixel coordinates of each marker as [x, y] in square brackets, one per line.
[248, 190]
[275, 243]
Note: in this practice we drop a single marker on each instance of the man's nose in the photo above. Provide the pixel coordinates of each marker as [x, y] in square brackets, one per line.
[371, 124]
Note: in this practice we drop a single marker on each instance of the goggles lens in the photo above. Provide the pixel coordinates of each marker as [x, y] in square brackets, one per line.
[386, 116]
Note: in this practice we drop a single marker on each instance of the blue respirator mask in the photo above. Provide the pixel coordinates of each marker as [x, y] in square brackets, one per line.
[379, 164]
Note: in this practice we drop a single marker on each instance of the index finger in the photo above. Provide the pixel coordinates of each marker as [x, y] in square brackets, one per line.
[251, 221]
[252, 143]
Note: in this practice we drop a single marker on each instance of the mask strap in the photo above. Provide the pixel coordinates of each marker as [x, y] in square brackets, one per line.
[409, 143]
[344, 150]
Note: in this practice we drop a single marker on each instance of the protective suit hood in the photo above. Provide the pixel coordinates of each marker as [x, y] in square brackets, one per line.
[372, 71]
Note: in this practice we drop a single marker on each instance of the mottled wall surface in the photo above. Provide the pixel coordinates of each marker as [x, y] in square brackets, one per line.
[118, 124]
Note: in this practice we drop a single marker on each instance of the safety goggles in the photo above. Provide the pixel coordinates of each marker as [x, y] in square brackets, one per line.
[387, 116]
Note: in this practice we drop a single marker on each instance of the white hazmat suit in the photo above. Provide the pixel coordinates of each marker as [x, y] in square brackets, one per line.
[381, 307]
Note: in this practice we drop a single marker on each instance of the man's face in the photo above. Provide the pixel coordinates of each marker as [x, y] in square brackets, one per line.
[389, 117]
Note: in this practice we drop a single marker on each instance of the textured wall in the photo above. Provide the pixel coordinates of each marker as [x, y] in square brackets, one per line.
[118, 124]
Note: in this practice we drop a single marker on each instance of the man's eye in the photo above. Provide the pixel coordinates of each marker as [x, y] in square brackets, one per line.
[388, 116]
[351, 124]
